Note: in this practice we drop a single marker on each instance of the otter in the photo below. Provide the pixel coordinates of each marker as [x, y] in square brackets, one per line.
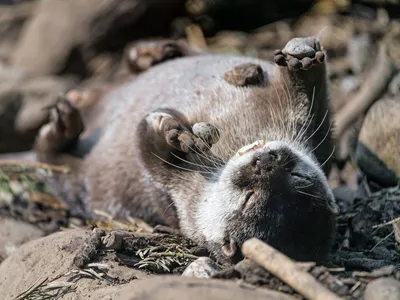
[183, 147]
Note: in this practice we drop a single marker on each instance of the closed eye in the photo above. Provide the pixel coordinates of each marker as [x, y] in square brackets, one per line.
[300, 177]
[247, 197]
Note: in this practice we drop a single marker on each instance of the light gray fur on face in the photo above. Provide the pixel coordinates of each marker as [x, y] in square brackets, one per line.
[221, 200]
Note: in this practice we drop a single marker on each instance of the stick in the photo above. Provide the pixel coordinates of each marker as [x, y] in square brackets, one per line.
[195, 37]
[285, 269]
[374, 86]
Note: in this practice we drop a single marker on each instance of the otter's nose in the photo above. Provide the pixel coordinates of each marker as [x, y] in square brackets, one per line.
[266, 159]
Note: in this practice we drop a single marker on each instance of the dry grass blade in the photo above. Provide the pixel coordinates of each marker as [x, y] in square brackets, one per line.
[162, 261]
[31, 289]
[43, 289]
[382, 240]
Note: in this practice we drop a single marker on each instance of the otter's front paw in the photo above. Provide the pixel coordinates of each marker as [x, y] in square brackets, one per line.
[143, 55]
[181, 137]
[66, 119]
[300, 53]
[64, 126]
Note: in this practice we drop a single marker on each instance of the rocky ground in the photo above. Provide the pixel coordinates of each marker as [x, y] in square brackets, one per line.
[49, 251]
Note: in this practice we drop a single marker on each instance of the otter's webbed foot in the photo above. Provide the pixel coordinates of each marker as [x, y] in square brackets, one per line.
[63, 129]
[143, 55]
[300, 54]
[179, 135]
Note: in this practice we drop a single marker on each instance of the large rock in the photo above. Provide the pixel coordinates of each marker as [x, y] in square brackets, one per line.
[14, 233]
[52, 258]
[22, 103]
[12, 19]
[65, 34]
[182, 288]
[383, 289]
[378, 149]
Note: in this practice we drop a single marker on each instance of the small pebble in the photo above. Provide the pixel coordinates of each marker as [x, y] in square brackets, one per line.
[203, 267]
[245, 74]
[299, 48]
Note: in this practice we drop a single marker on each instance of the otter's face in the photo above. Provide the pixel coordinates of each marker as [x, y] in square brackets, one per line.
[273, 192]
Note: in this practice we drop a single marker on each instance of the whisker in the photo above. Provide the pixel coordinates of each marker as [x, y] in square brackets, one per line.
[179, 167]
[315, 131]
[326, 135]
[192, 163]
[311, 195]
[333, 151]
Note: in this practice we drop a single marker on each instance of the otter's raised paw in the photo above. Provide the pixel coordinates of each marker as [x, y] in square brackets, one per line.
[179, 136]
[143, 55]
[300, 53]
[64, 127]
[66, 118]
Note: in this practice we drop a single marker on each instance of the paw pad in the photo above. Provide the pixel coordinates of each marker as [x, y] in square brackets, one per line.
[300, 53]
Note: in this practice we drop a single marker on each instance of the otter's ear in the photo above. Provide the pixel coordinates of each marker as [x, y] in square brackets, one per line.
[229, 249]
[334, 207]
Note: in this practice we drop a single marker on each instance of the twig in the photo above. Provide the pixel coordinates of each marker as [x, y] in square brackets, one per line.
[387, 223]
[285, 269]
[195, 37]
[24, 164]
[356, 286]
[382, 240]
[373, 88]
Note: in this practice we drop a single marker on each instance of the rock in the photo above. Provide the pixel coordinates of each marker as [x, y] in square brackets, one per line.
[14, 233]
[52, 257]
[383, 289]
[180, 288]
[349, 84]
[361, 51]
[203, 267]
[22, 112]
[394, 86]
[378, 147]
[12, 19]
[63, 35]
[245, 75]
[39, 93]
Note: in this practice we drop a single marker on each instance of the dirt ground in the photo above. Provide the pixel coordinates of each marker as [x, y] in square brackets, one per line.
[49, 250]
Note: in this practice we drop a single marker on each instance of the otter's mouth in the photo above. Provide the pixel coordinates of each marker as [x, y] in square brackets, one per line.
[251, 147]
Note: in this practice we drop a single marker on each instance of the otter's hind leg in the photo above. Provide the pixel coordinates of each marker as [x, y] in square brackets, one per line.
[145, 54]
[61, 132]
[304, 72]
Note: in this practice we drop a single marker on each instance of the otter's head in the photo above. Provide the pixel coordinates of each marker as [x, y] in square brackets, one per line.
[274, 192]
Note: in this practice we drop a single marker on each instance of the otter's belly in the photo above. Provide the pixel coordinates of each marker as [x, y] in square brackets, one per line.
[194, 85]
